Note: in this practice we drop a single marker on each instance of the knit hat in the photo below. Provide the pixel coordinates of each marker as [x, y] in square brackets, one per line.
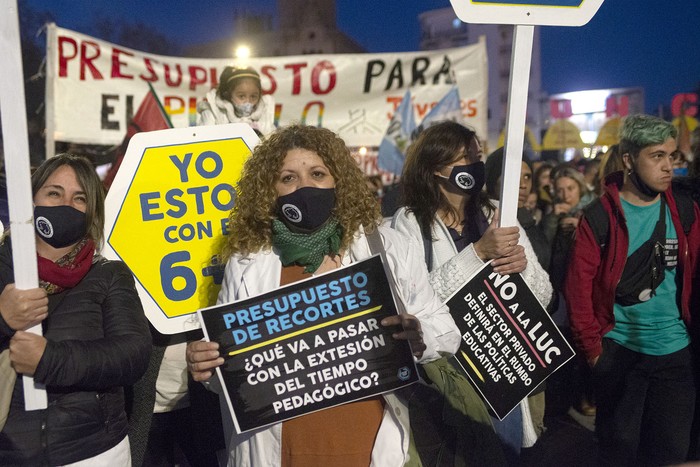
[230, 76]
[493, 167]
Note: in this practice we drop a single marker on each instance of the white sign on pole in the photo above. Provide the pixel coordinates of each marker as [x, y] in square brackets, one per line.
[524, 14]
[19, 191]
[527, 12]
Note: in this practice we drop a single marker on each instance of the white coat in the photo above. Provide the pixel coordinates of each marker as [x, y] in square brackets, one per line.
[213, 110]
[259, 273]
[450, 269]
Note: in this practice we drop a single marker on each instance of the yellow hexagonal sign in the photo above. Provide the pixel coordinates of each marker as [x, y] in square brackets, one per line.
[167, 216]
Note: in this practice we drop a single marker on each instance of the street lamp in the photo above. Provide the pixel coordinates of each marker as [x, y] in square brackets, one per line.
[242, 53]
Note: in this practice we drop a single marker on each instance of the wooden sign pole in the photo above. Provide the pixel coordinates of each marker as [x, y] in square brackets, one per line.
[19, 189]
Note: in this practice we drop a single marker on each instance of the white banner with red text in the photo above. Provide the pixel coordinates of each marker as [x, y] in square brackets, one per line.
[94, 87]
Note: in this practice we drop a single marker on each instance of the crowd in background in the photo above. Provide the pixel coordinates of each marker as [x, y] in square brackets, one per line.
[455, 227]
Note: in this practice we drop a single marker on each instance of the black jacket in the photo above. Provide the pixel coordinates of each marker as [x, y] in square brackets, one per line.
[540, 244]
[98, 342]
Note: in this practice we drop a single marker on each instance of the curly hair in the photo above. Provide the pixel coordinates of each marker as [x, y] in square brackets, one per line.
[436, 147]
[251, 218]
[90, 183]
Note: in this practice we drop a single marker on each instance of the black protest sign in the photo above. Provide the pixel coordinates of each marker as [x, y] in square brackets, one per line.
[509, 343]
[308, 346]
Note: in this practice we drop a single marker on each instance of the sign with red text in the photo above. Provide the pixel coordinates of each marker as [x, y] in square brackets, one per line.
[309, 346]
[527, 12]
[509, 342]
[167, 216]
[94, 86]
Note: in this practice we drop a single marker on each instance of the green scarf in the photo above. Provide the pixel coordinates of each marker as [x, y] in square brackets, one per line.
[306, 249]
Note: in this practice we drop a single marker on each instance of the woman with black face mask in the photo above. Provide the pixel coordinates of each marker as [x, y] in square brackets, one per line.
[446, 211]
[304, 208]
[95, 335]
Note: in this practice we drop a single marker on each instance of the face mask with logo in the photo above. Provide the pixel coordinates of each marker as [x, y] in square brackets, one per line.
[244, 110]
[468, 178]
[60, 226]
[307, 208]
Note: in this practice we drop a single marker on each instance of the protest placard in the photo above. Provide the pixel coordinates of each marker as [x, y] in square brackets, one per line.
[309, 346]
[166, 216]
[509, 343]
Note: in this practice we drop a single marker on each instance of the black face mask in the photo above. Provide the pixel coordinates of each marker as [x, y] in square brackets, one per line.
[641, 186]
[307, 208]
[468, 178]
[60, 226]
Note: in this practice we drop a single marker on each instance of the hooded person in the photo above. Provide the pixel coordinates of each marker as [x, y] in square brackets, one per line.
[238, 99]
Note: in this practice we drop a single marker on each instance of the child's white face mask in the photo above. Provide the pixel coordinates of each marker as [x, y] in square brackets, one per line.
[244, 110]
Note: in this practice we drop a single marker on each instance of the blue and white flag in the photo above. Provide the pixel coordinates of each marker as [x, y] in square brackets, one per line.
[449, 108]
[392, 150]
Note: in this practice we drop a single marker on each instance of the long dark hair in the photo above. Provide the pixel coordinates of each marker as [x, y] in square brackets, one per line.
[436, 147]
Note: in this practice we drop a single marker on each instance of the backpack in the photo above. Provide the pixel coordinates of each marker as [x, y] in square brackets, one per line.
[599, 222]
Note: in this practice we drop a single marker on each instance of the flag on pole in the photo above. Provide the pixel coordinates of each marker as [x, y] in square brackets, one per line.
[392, 150]
[449, 108]
[150, 116]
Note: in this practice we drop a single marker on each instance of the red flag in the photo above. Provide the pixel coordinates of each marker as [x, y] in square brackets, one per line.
[150, 116]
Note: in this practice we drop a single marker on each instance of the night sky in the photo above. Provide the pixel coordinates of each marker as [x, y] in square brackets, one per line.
[645, 43]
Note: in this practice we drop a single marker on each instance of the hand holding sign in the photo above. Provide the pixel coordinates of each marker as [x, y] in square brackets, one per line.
[26, 349]
[310, 345]
[497, 241]
[515, 262]
[202, 359]
[411, 332]
[22, 309]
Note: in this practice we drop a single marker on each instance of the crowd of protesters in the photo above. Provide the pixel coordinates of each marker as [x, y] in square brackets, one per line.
[609, 246]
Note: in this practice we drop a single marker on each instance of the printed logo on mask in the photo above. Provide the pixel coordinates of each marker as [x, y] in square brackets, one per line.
[44, 227]
[292, 213]
[306, 208]
[465, 181]
[59, 226]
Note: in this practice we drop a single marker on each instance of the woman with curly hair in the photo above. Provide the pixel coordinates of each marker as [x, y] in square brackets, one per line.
[303, 208]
